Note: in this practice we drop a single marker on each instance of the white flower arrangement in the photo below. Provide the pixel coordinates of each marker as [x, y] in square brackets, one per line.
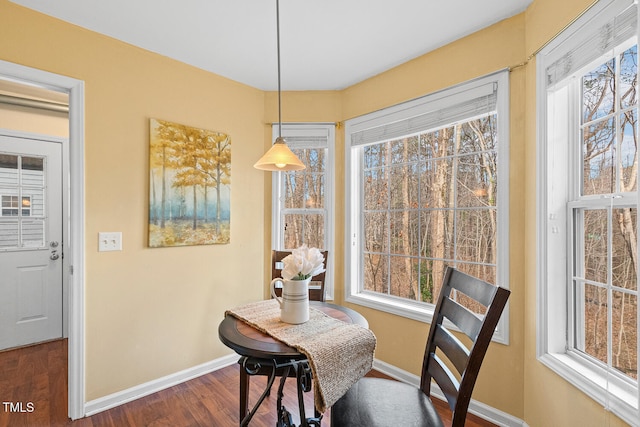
[302, 263]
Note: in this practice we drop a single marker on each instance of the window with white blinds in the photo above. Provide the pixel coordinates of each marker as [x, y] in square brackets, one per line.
[586, 42]
[587, 161]
[417, 116]
[303, 200]
[427, 186]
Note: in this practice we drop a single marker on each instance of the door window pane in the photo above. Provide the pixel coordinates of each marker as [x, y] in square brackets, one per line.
[10, 206]
[8, 171]
[22, 201]
[32, 233]
[9, 233]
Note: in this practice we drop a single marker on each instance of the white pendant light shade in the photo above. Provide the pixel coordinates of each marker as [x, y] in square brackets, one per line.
[279, 158]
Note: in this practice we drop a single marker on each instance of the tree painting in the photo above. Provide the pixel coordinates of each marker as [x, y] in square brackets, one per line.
[189, 185]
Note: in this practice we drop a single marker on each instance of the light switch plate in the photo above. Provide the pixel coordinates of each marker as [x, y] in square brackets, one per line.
[110, 241]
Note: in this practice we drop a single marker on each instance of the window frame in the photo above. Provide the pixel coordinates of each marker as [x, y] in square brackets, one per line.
[555, 250]
[301, 130]
[353, 201]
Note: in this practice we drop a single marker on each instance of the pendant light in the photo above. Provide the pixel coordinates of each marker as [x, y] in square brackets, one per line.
[279, 157]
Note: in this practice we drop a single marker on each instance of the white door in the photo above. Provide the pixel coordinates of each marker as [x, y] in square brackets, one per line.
[30, 240]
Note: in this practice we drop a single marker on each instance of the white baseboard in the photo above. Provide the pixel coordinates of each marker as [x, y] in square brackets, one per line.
[483, 411]
[141, 390]
[107, 402]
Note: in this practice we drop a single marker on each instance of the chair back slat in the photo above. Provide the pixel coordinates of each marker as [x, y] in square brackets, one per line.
[480, 329]
[473, 287]
[460, 316]
[317, 284]
[456, 352]
[445, 379]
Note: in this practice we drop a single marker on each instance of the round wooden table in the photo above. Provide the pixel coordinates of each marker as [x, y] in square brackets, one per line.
[264, 355]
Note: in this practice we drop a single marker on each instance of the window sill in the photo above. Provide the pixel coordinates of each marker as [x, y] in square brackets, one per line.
[410, 310]
[398, 306]
[621, 400]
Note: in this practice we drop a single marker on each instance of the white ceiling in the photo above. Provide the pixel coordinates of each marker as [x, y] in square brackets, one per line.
[325, 44]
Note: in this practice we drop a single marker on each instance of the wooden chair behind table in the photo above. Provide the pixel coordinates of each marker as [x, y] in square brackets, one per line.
[379, 402]
[316, 287]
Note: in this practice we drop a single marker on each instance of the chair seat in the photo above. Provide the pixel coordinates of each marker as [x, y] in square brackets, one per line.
[376, 402]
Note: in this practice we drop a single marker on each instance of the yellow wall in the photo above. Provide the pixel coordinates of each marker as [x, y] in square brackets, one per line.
[149, 312]
[143, 302]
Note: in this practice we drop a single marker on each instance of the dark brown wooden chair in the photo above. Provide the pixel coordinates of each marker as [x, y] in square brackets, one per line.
[380, 402]
[316, 286]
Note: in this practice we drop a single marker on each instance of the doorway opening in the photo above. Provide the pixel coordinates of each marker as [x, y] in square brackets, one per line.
[24, 82]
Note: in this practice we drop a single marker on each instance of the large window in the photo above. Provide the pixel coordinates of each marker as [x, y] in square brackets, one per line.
[427, 188]
[303, 200]
[588, 171]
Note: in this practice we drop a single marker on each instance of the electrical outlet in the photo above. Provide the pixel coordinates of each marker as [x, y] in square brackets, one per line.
[110, 241]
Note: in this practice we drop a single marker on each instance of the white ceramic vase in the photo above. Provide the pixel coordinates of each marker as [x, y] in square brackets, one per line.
[294, 303]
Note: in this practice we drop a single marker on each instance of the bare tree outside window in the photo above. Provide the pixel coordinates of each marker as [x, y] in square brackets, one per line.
[430, 200]
[304, 201]
[606, 277]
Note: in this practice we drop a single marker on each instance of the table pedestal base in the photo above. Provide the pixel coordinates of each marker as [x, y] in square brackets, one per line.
[250, 366]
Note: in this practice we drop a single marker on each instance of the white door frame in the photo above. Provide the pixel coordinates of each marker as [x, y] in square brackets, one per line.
[73, 211]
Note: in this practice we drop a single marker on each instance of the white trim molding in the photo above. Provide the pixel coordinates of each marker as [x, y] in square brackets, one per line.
[141, 390]
[119, 398]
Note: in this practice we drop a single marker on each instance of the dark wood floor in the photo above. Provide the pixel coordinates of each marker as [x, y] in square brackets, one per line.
[33, 382]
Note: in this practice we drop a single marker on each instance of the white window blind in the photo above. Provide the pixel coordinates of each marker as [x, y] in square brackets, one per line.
[588, 43]
[417, 117]
[307, 141]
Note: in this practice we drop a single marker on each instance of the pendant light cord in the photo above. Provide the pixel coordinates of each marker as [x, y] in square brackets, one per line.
[279, 88]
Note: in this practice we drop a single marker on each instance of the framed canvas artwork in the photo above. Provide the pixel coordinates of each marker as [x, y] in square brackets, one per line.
[189, 185]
